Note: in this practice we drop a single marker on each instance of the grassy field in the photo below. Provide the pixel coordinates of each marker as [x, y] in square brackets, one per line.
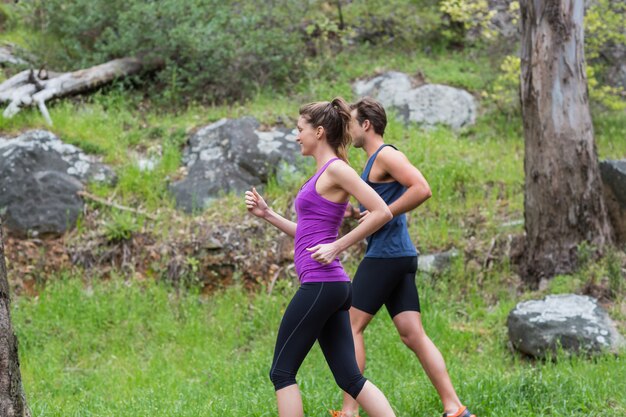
[124, 348]
[128, 348]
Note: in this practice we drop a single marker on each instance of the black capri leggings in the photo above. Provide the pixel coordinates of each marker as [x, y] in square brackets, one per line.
[318, 311]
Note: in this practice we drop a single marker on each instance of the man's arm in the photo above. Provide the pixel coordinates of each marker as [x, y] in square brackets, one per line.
[397, 165]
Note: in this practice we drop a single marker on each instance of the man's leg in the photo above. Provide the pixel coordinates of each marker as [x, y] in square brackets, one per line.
[409, 325]
[358, 322]
[372, 285]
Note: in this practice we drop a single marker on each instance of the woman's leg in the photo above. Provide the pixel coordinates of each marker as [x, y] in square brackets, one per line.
[298, 331]
[289, 402]
[358, 322]
[337, 344]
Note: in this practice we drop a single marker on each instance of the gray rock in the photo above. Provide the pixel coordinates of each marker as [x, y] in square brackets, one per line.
[437, 262]
[39, 178]
[575, 323]
[42, 150]
[428, 105]
[614, 175]
[231, 156]
[614, 181]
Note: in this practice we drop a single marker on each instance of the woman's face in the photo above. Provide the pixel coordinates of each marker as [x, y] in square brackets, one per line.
[307, 136]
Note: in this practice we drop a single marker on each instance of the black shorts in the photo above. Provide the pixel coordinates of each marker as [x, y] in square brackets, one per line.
[388, 281]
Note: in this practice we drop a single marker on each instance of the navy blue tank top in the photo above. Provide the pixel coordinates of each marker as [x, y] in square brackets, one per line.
[392, 240]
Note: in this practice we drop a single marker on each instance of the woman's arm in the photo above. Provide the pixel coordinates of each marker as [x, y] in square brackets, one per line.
[347, 179]
[258, 207]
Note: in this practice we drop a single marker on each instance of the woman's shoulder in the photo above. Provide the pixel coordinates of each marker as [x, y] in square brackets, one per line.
[338, 166]
[340, 169]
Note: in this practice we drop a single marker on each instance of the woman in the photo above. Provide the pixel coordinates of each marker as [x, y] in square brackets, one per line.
[319, 309]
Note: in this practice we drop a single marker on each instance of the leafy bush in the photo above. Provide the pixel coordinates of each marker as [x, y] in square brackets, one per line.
[604, 32]
[404, 23]
[213, 50]
[505, 89]
[464, 16]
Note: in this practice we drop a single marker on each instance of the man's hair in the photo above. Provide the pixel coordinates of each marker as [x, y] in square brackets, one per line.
[369, 109]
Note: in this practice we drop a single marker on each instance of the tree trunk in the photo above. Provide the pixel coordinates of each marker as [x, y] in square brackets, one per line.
[12, 399]
[29, 88]
[563, 201]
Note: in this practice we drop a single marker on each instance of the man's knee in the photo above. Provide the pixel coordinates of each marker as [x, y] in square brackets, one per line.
[412, 339]
[359, 320]
[282, 379]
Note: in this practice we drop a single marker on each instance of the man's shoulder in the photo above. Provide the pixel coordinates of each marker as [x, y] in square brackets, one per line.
[392, 154]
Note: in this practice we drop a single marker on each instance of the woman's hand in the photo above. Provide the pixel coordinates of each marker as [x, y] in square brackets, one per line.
[255, 204]
[324, 253]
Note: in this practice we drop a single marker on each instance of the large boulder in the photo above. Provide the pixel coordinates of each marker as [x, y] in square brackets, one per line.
[231, 156]
[614, 180]
[429, 104]
[574, 323]
[39, 178]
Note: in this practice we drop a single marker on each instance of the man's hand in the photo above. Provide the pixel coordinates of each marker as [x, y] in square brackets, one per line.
[351, 212]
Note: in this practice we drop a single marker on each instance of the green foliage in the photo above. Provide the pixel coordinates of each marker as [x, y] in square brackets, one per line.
[604, 26]
[121, 226]
[465, 16]
[605, 95]
[604, 30]
[505, 89]
[617, 280]
[7, 19]
[213, 49]
[402, 23]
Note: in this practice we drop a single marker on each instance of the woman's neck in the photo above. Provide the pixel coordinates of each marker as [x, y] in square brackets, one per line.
[323, 156]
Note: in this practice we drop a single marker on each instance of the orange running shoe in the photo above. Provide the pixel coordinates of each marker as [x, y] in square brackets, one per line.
[461, 412]
[336, 413]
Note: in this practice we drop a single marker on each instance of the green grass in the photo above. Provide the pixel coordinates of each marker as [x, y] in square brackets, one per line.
[122, 348]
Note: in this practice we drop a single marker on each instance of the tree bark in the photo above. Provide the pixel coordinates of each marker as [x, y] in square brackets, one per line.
[563, 201]
[12, 399]
[28, 88]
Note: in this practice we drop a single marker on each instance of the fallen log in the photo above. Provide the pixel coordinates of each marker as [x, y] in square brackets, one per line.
[29, 88]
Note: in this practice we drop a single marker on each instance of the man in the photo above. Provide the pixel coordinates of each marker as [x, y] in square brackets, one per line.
[387, 273]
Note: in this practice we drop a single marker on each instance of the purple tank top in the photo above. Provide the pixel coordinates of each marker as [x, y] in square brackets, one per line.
[318, 222]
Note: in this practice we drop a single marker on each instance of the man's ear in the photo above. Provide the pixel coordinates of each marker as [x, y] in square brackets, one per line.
[366, 124]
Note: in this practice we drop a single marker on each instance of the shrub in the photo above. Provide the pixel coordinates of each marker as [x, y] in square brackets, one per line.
[214, 50]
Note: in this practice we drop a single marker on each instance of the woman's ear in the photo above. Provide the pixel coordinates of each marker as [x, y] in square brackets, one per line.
[320, 132]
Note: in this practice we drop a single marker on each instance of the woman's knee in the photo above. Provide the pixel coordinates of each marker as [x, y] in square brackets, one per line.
[282, 379]
[352, 385]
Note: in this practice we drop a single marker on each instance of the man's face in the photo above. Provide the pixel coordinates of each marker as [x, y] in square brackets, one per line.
[356, 131]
